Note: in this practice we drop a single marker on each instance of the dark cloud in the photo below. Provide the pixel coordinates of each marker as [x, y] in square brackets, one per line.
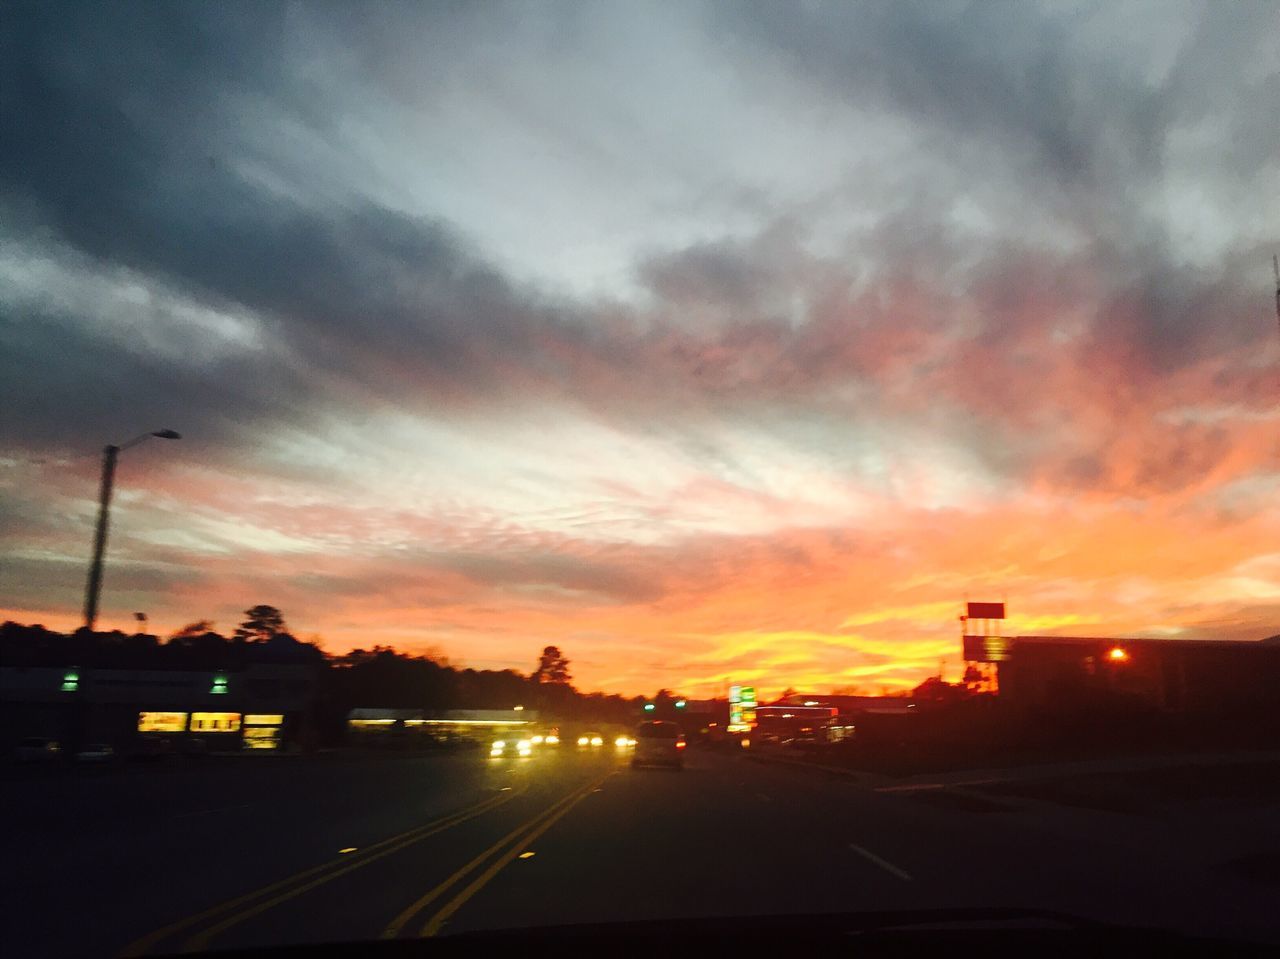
[135, 134]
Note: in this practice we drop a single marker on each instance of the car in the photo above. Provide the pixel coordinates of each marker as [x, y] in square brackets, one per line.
[658, 743]
[35, 749]
[591, 739]
[96, 753]
[511, 747]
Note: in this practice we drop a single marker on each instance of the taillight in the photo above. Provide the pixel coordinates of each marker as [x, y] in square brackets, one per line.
[680, 744]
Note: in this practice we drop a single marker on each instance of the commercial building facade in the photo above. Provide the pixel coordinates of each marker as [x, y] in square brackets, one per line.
[1173, 675]
[261, 707]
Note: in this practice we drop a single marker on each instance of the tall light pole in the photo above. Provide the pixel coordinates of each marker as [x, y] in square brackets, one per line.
[109, 455]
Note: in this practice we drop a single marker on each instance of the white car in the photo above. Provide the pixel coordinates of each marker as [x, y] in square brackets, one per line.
[658, 744]
[96, 753]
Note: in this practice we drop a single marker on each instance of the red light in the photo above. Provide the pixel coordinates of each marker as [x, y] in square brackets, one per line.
[1117, 655]
[681, 744]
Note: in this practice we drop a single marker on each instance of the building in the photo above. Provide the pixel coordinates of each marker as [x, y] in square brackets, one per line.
[1174, 675]
[264, 704]
[407, 728]
[843, 714]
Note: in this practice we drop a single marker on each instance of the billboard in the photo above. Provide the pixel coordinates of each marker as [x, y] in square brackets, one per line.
[986, 610]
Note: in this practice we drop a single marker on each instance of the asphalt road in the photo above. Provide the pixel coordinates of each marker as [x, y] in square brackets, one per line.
[261, 851]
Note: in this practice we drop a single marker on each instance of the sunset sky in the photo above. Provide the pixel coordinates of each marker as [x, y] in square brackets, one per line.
[709, 342]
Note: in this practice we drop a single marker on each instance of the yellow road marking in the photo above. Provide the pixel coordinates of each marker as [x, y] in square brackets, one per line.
[144, 944]
[200, 941]
[435, 922]
[395, 925]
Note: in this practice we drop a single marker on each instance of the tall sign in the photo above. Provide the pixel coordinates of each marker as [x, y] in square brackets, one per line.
[981, 633]
[742, 709]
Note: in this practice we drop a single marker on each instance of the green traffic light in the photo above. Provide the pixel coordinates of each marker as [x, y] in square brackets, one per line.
[680, 704]
[649, 707]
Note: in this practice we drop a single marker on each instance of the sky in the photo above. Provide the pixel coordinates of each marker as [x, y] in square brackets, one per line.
[711, 342]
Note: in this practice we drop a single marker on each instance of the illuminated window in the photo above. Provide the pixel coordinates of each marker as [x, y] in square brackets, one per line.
[264, 719]
[162, 722]
[215, 722]
[262, 738]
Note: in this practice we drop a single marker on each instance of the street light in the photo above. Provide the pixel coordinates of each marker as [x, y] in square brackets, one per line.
[109, 455]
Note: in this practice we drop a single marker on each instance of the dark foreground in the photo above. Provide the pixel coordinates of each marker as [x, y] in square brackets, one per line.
[226, 853]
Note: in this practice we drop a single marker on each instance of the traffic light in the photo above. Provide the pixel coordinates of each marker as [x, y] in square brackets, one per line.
[219, 684]
[649, 707]
[680, 704]
[71, 681]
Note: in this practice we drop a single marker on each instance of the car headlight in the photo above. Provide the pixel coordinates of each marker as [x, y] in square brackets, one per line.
[597, 741]
[583, 741]
[537, 740]
[553, 740]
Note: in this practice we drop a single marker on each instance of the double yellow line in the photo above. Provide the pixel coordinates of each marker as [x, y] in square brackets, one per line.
[514, 842]
[236, 911]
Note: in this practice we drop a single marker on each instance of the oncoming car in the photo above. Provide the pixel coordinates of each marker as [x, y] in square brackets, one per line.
[658, 743]
[511, 747]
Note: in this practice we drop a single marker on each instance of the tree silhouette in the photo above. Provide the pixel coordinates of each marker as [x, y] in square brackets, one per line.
[552, 668]
[193, 630]
[261, 624]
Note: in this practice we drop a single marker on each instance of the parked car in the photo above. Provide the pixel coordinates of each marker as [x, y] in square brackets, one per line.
[36, 749]
[96, 753]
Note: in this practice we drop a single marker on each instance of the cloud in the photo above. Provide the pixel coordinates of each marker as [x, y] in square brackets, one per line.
[706, 336]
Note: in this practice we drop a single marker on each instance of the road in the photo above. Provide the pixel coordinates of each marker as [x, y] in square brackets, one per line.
[253, 851]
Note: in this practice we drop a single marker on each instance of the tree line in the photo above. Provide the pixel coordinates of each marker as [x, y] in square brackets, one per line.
[377, 677]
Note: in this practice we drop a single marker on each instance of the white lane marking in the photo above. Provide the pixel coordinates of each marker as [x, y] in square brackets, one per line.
[888, 867]
[920, 787]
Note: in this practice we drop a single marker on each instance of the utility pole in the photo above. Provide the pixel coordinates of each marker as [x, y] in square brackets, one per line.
[94, 589]
[1275, 266]
[109, 456]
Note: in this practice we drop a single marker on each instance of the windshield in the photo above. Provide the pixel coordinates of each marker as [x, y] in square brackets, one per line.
[512, 465]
